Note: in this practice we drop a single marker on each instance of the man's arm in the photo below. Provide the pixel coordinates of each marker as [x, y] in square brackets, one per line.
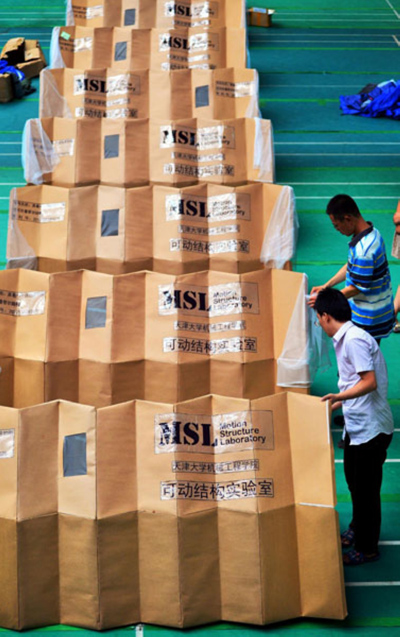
[349, 291]
[339, 277]
[365, 385]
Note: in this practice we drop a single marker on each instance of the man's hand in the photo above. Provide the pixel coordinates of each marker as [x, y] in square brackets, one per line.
[333, 399]
[314, 293]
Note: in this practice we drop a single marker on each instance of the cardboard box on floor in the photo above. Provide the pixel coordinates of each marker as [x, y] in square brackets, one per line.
[162, 14]
[171, 514]
[169, 230]
[149, 336]
[259, 17]
[6, 88]
[224, 93]
[129, 50]
[34, 60]
[13, 51]
[26, 55]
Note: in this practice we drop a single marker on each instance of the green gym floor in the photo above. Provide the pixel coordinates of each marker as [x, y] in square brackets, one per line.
[315, 51]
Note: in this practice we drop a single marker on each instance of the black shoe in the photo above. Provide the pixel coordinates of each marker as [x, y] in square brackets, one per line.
[339, 421]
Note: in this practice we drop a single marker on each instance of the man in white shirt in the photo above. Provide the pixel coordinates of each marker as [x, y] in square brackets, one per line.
[368, 419]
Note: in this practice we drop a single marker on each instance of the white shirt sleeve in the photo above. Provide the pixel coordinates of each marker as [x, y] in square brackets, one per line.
[359, 353]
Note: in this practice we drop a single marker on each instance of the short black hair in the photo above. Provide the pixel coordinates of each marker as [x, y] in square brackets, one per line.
[333, 302]
[342, 205]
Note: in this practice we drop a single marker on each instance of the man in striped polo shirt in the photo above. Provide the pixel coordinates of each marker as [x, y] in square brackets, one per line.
[366, 274]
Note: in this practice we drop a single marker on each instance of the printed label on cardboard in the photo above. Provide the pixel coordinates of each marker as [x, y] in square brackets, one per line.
[195, 43]
[209, 328]
[79, 84]
[190, 9]
[41, 213]
[192, 433]
[7, 443]
[95, 12]
[207, 138]
[110, 86]
[204, 42]
[217, 491]
[215, 468]
[215, 300]
[210, 247]
[208, 231]
[203, 347]
[197, 159]
[83, 44]
[234, 89]
[64, 147]
[216, 208]
[199, 172]
[22, 303]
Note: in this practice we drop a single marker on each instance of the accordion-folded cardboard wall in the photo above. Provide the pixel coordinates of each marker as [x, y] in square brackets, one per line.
[129, 49]
[227, 93]
[171, 514]
[101, 339]
[170, 230]
[133, 152]
[163, 14]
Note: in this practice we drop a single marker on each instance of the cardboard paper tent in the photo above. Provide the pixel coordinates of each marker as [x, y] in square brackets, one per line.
[130, 49]
[227, 93]
[70, 152]
[172, 514]
[163, 14]
[170, 230]
[100, 339]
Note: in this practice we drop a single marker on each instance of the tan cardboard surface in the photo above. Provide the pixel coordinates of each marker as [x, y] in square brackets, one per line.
[115, 93]
[164, 49]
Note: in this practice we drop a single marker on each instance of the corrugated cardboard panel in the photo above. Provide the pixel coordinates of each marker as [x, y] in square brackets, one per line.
[38, 571]
[320, 562]
[77, 490]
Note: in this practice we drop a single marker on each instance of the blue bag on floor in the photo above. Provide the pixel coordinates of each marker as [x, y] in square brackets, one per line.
[21, 85]
[381, 100]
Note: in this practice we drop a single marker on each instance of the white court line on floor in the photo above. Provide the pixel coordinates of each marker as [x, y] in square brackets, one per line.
[356, 143]
[343, 183]
[10, 154]
[320, 35]
[394, 583]
[389, 543]
[393, 9]
[11, 184]
[290, 41]
[340, 429]
[358, 197]
[10, 143]
[336, 155]
[323, 19]
[35, 13]
[396, 40]
[330, 13]
[337, 86]
[392, 460]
